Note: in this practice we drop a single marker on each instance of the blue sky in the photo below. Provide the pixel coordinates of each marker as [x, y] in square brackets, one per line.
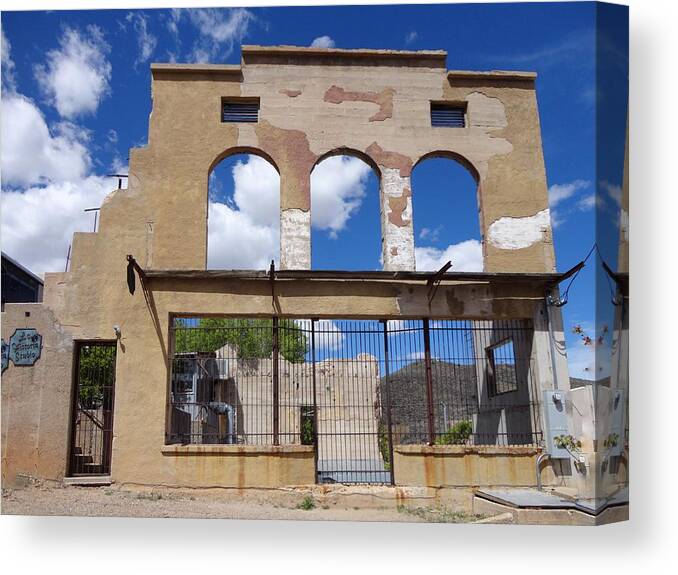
[76, 97]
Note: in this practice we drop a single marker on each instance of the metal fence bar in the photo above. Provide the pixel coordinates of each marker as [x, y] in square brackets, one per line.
[354, 389]
[387, 393]
[276, 381]
[429, 383]
[315, 400]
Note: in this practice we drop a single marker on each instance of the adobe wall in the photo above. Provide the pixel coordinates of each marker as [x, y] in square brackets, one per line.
[36, 399]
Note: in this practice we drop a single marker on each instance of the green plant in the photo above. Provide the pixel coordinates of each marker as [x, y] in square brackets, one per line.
[307, 503]
[567, 442]
[458, 434]
[252, 338]
[307, 432]
[383, 446]
[96, 370]
[439, 514]
[611, 441]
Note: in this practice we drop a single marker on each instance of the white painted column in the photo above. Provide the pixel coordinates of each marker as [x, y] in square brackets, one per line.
[397, 230]
[295, 239]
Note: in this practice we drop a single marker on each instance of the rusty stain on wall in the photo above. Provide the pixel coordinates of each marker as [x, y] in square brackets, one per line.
[390, 159]
[291, 93]
[295, 160]
[383, 99]
[397, 207]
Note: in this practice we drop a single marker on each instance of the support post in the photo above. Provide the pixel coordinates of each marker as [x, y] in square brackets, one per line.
[429, 382]
[315, 402]
[387, 393]
[276, 383]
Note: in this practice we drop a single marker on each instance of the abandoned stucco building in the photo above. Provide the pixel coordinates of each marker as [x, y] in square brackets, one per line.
[489, 348]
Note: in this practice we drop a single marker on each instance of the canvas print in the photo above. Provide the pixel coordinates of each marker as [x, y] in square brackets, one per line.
[362, 263]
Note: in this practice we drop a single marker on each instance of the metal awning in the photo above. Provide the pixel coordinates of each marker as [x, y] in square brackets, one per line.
[546, 279]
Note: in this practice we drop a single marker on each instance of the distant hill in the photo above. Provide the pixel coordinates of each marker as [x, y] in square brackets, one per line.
[576, 382]
[455, 397]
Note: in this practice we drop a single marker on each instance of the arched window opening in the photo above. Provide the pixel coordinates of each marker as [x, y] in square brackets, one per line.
[345, 224]
[446, 218]
[243, 225]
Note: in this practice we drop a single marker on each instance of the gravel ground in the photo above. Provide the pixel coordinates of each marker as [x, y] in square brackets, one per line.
[118, 502]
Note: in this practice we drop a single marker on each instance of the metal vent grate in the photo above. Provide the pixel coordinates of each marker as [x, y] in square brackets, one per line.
[240, 112]
[446, 116]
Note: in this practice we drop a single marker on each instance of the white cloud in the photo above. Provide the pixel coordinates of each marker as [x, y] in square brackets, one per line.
[556, 219]
[46, 177]
[145, 40]
[431, 235]
[328, 335]
[411, 37]
[33, 155]
[112, 136]
[219, 30]
[614, 191]
[234, 241]
[243, 233]
[466, 256]
[38, 223]
[257, 191]
[587, 203]
[8, 81]
[560, 192]
[322, 42]
[173, 21]
[76, 77]
[337, 190]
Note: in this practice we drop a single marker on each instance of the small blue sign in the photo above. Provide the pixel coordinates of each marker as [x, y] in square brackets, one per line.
[5, 356]
[25, 346]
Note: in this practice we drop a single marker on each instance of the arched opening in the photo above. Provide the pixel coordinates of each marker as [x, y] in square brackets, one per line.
[243, 224]
[345, 224]
[446, 214]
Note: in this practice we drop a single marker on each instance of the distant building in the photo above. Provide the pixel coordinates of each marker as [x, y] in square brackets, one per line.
[19, 285]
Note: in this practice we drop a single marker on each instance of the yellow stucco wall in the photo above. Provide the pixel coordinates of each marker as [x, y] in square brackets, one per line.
[467, 466]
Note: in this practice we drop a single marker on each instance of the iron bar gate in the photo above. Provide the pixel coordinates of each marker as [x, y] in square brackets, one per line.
[354, 389]
[93, 398]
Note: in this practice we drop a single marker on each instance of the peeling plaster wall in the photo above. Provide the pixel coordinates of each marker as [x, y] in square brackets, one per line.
[295, 239]
[397, 226]
[518, 233]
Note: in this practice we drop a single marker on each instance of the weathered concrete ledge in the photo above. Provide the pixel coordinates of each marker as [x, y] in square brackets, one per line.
[467, 450]
[237, 450]
[162, 71]
[518, 75]
[443, 466]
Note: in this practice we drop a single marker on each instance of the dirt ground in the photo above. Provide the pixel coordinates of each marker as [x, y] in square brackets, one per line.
[111, 501]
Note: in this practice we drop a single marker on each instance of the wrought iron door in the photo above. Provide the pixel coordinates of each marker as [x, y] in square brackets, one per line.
[93, 396]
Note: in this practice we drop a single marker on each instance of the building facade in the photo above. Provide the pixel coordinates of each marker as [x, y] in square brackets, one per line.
[124, 388]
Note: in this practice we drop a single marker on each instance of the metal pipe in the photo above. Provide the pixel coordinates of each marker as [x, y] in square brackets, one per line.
[542, 457]
[554, 367]
[225, 409]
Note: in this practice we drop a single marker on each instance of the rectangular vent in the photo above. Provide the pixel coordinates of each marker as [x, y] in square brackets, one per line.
[448, 116]
[240, 111]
